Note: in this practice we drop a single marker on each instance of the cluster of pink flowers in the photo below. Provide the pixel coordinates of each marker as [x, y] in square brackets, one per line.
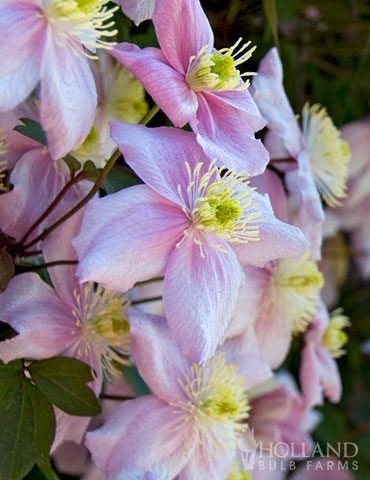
[226, 248]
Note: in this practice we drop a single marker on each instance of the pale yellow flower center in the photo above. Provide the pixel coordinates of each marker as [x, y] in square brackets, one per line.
[296, 286]
[334, 338]
[217, 70]
[329, 154]
[217, 405]
[220, 204]
[103, 326]
[85, 20]
[236, 474]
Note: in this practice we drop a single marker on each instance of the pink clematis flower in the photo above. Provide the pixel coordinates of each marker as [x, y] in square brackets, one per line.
[137, 10]
[190, 424]
[319, 375]
[193, 83]
[45, 40]
[188, 223]
[72, 320]
[322, 157]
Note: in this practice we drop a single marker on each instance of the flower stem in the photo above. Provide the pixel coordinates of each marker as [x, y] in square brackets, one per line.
[145, 300]
[146, 118]
[46, 265]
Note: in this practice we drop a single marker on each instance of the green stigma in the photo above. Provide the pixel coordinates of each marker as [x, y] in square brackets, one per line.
[224, 66]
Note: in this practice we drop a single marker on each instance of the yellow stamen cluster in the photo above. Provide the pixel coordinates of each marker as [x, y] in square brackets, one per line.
[86, 20]
[329, 154]
[334, 338]
[3, 162]
[217, 70]
[90, 149]
[236, 474]
[222, 205]
[296, 286]
[217, 405]
[103, 325]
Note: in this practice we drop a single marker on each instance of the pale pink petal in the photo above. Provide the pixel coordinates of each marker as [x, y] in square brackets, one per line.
[243, 100]
[143, 435]
[58, 246]
[158, 156]
[71, 458]
[328, 468]
[277, 239]
[36, 313]
[18, 144]
[137, 10]
[309, 375]
[36, 183]
[131, 242]
[68, 97]
[224, 133]
[330, 376]
[23, 34]
[273, 103]
[164, 84]
[249, 300]
[182, 29]
[269, 182]
[201, 467]
[199, 295]
[151, 347]
[16, 85]
[69, 428]
[274, 337]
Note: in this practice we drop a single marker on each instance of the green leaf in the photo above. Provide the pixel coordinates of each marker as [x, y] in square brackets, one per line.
[73, 164]
[32, 130]
[63, 382]
[27, 423]
[120, 177]
[271, 14]
[133, 377]
[90, 171]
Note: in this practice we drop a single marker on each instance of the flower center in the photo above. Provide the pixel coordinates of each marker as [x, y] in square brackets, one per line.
[334, 338]
[296, 288]
[217, 405]
[217, 70]
[103, 325]
[329, 154]
[86, 20]
[236, 474]
[222, 205]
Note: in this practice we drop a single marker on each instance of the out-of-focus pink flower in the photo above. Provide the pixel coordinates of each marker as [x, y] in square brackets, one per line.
[324, 340]
[328, 468]
[137, 10]
[277, 301]
[188, 223]
[190, 424]
[322, 156]
[193, 83]
[46, 40]
[35, 177]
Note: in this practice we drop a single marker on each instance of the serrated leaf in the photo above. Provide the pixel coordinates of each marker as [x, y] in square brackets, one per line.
[32, 129]
[120, 177]
[272, 18]
[63, 382]
[73, 164]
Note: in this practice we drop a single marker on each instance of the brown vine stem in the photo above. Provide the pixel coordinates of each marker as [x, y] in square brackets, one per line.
[99, 182]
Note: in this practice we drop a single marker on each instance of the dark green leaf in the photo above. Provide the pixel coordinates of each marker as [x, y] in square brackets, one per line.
[17, 454]
[10, 375]
[119, 178]
[90, 171]
[63, 382]
[32, 130]
[44, 422]
[73, 164]
[271, 15]
[6, 269]
[47, 470]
